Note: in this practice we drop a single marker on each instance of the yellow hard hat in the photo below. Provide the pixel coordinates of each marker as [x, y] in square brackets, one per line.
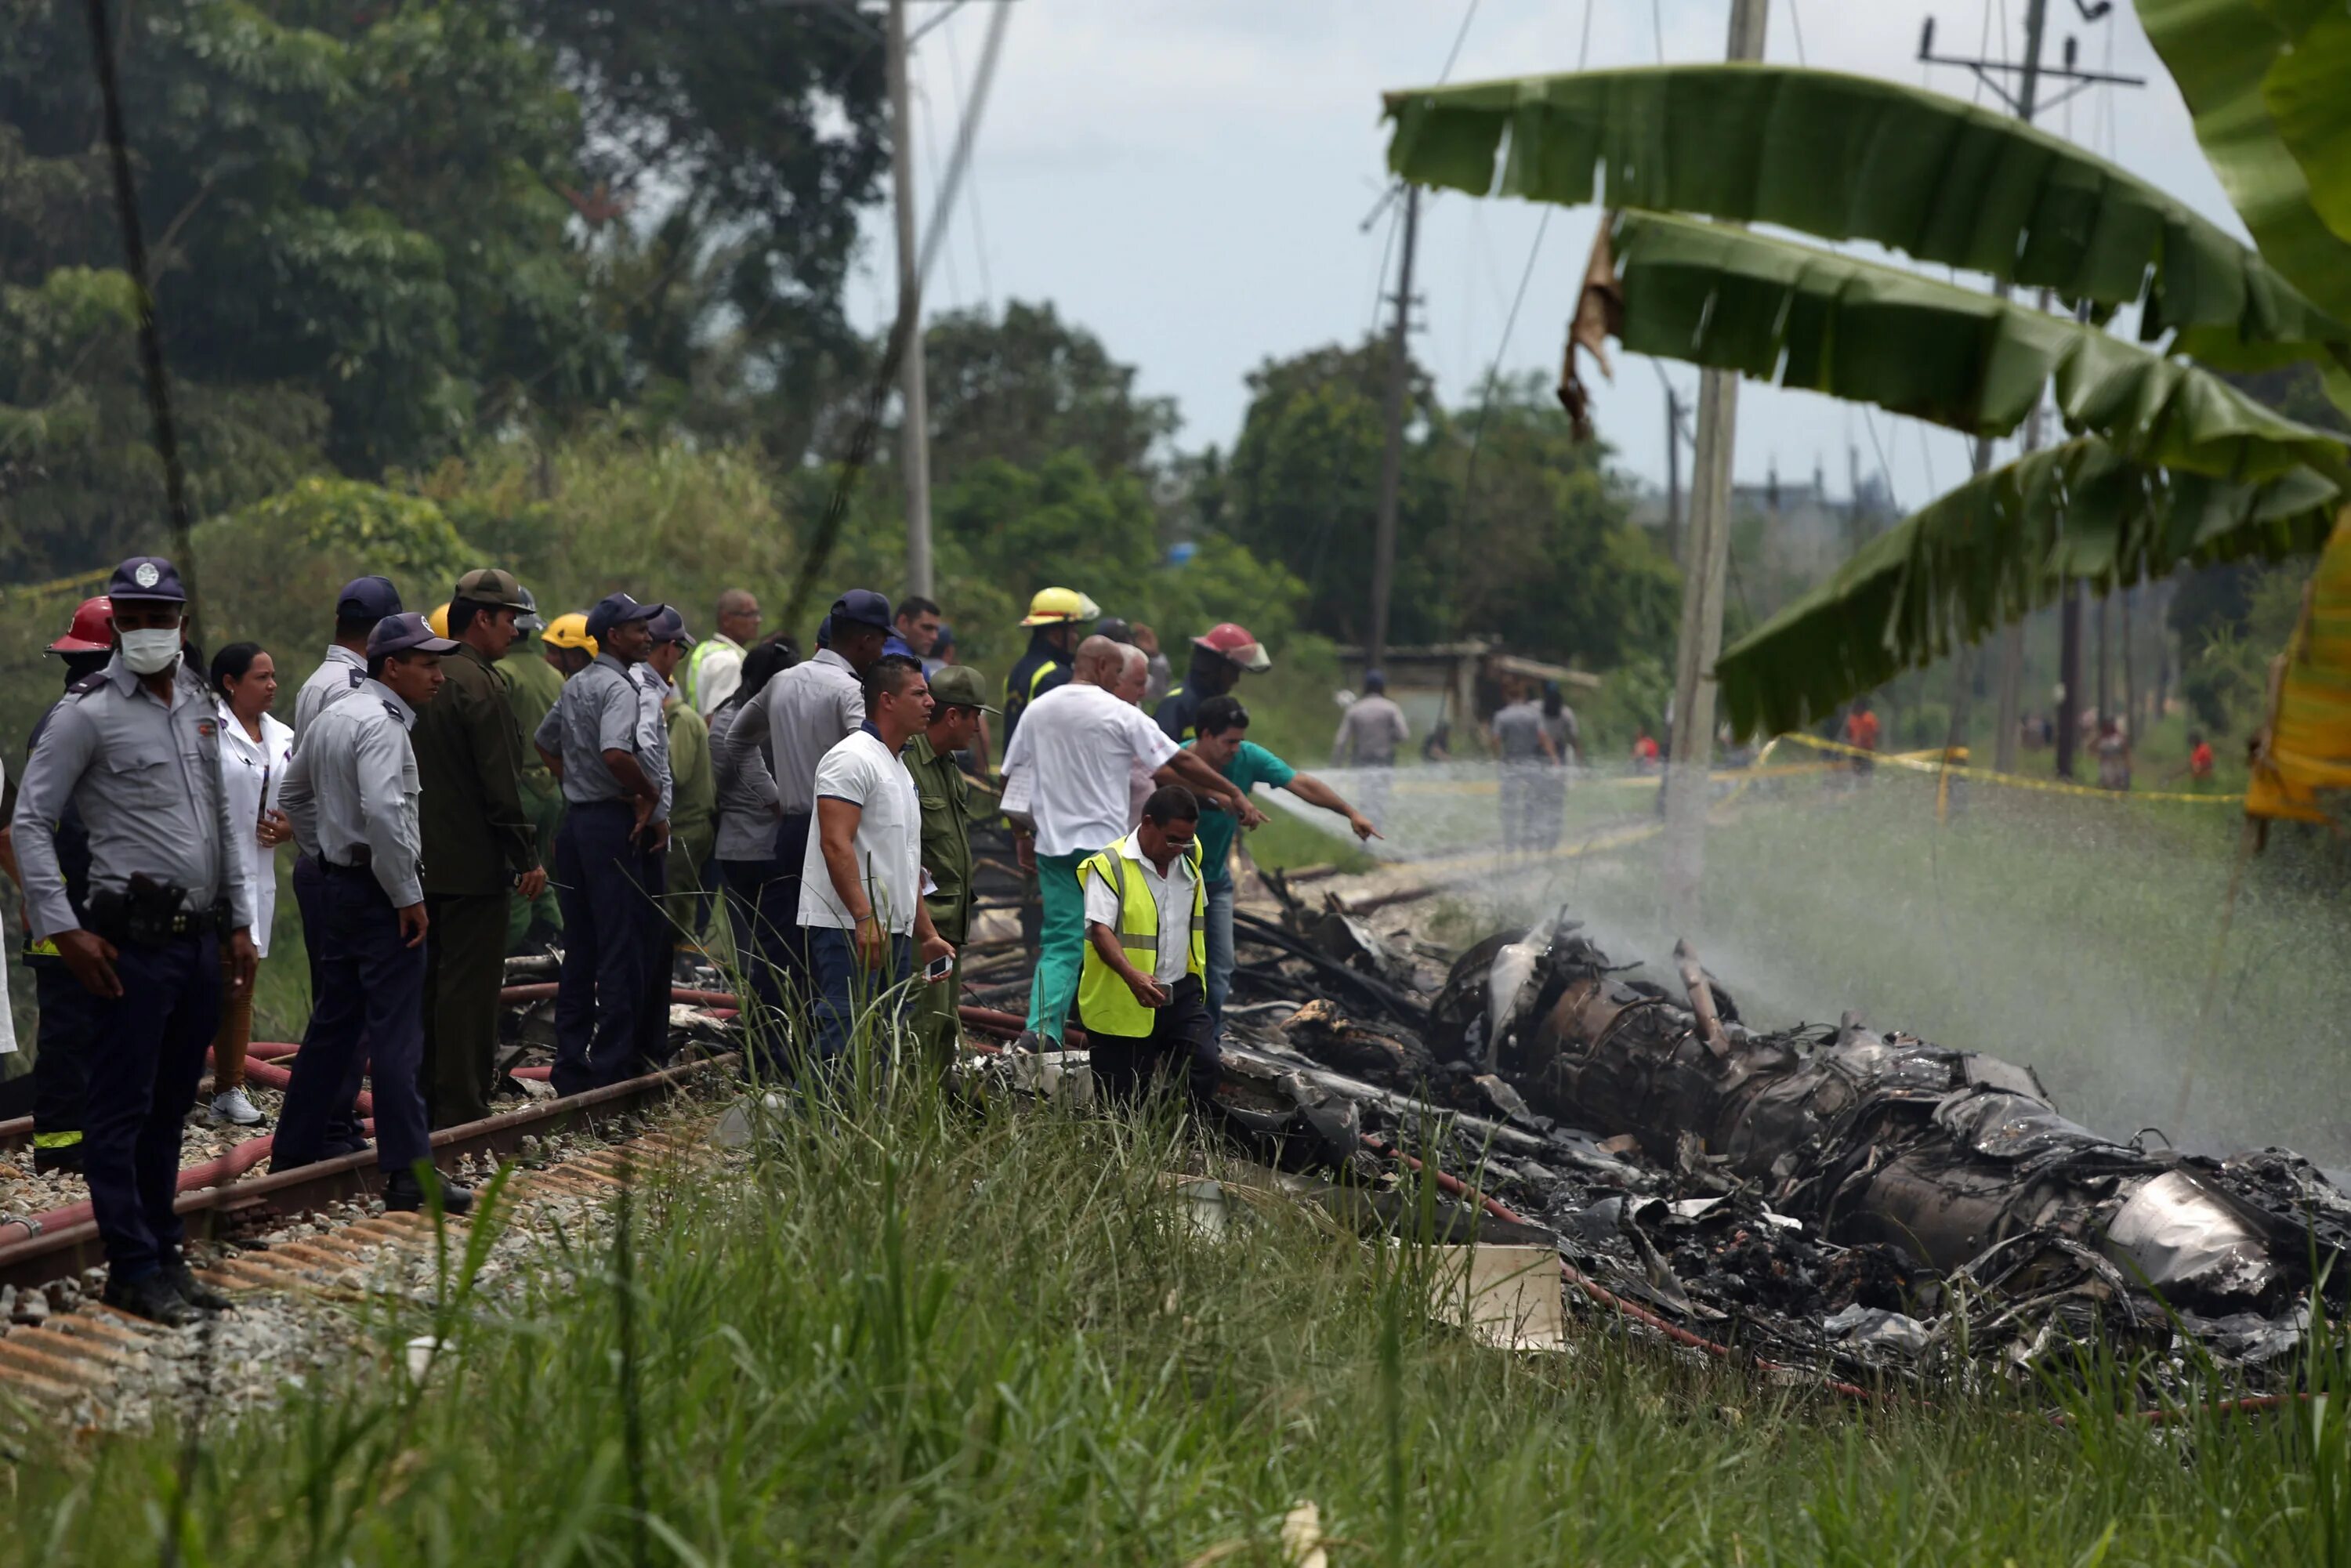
[439, 622]
[1054, 605]
[568, 632]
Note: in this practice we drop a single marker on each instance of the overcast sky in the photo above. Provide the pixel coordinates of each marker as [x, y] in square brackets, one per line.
[1189, 179]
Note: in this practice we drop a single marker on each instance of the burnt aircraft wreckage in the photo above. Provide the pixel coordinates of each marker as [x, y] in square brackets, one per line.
[1835, 1198]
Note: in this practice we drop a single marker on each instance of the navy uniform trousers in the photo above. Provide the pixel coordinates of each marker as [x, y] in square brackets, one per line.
[147, 1047]
[369, 1006]
[309, 881]
[611, 929]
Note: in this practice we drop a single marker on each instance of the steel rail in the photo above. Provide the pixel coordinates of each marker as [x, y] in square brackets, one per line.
[216, 1211]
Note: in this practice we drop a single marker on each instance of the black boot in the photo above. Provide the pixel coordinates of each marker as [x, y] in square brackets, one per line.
[49, 1161]
[403, 1194]
[193, 1291]
[153, 1297]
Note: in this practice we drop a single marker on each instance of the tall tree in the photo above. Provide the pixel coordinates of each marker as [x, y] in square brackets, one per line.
[349, 210]
[1026, 385]
[729, 146]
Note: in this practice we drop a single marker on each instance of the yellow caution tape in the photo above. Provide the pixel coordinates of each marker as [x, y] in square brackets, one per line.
[79, 581]
[1921, 763]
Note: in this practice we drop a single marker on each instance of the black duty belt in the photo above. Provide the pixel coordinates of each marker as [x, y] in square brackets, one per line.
[361, 859]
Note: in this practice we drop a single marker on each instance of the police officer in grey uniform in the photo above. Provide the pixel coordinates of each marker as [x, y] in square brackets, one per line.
[136, 749]
[611, 854]
[364, 602]
[350, 793]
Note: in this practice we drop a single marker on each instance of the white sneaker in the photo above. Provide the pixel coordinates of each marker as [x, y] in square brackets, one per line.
[234, 1108]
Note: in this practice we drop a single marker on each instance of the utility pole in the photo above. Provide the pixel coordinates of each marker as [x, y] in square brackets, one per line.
[914, 429]
[1673, 474]
[1383, 535]
[2025, 100]
[1706, 565]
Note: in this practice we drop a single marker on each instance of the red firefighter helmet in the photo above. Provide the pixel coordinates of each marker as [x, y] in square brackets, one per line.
[1236, 644]
[88, 632]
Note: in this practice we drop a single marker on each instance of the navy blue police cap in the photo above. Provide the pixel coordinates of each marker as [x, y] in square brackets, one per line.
[860, 607]
[405, 634]
[618, 610]
[367, 598]
[147, 577]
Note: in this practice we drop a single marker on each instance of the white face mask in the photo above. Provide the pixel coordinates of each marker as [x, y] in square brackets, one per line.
[151, 653]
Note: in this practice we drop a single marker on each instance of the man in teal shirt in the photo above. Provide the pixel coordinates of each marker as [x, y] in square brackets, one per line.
[1224, 745]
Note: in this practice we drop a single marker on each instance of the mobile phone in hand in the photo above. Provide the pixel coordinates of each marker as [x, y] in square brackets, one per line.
[941, 967]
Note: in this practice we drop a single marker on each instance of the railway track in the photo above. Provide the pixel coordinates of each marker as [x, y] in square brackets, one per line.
[308, 1234]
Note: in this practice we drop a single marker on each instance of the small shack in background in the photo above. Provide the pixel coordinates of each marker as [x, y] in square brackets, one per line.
[1460, 684]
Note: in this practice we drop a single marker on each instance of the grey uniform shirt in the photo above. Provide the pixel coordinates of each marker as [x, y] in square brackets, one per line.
[804, 713]
[653, 735]
[329, 683]
[1369, 732]
[352, 786]
[147, 782]
[746, 790]
[1518, 728]
[601, 710]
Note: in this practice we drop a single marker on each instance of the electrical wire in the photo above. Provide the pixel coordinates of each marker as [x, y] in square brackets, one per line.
[1796, 24]
[1658, 27]
[1884, 472]
[971, 186]
[1460, 36]
[931, 167]
[1486, 403]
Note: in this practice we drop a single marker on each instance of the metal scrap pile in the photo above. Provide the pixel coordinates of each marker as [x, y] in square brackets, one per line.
[1833, 1198]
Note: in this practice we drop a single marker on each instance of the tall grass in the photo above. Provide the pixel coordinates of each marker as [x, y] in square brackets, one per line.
[908, 1331]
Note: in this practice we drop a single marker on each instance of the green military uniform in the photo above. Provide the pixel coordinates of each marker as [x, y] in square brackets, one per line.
[533, 685]
[692, 814]
[476, 840]
[947, 816]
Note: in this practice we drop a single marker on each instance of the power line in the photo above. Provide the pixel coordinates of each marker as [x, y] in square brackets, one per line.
[1658, 27]
[1459, 37]
[971, 186]
[1796, 24]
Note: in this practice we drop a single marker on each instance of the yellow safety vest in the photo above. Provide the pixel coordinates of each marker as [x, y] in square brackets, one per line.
[702, 649]
[1104, 1000]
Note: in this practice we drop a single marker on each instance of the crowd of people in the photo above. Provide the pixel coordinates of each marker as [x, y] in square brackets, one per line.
[477, 781]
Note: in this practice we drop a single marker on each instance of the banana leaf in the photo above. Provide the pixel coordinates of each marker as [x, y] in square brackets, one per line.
[2303, 772]
[1791, 313]
[1996, 549]
[2269, 84]
[1847, 157]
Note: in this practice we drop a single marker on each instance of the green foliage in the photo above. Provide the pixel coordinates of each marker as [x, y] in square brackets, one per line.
[1792, 314]
[745, 136]
[1027, 386]
[1996, 547]
[1850, 157]
[270, 570]
[1514, 530]
[2226, 676]
[2247, 68]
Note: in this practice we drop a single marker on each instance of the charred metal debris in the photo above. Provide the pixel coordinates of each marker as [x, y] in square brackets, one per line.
[1855, 1203]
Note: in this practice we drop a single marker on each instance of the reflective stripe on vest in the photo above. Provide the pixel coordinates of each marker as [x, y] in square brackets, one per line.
[1105, 1002]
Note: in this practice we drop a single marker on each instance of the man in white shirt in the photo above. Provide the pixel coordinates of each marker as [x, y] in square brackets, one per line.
[1075, 747]
[860, 879]
[802, 714]
[1144, 905]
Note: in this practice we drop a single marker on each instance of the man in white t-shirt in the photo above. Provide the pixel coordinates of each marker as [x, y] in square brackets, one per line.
[860, 879]
[1074, 750]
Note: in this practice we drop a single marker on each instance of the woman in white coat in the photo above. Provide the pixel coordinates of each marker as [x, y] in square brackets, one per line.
[255, 749]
